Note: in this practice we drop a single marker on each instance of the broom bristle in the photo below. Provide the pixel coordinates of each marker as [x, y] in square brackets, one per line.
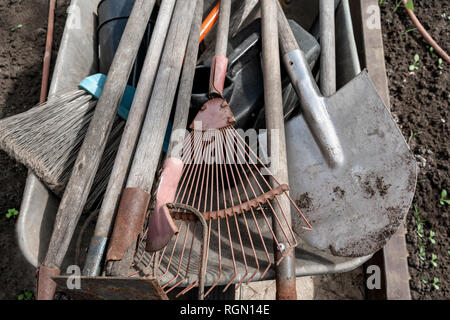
[47, 138]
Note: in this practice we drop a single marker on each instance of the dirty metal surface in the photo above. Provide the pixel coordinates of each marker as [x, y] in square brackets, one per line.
[355, 207]
[112, 288]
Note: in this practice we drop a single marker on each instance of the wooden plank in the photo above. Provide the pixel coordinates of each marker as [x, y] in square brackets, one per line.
[392, 259]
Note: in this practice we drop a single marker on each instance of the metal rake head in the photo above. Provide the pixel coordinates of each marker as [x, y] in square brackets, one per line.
[238, 197]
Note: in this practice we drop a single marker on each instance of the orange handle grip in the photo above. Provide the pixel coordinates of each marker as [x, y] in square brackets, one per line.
[209, 22]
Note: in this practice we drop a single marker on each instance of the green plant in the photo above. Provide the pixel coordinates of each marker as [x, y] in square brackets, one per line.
[415, 66]
[26, 295]
[419, 222]
[409, 30]
[425, 281]
[431, 237]
[422, 251]
[443, 200]
[433, 260]
[16, 27]
[409, 4]
[435, 283]
[12, 213]
[440, 64]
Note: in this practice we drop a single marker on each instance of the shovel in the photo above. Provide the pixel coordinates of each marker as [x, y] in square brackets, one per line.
[350, 169]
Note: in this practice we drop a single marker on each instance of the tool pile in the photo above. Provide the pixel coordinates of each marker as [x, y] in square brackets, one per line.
[214, 205]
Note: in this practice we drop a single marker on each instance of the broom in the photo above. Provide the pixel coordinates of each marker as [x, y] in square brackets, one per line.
[47, 138]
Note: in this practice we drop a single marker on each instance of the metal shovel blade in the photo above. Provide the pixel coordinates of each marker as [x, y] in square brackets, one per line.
[355, 206]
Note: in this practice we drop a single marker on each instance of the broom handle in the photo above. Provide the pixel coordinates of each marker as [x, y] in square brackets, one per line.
[88, 159]
[129, 139]
[285, 271]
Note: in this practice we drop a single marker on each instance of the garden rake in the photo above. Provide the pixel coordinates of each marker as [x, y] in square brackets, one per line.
[223, 179]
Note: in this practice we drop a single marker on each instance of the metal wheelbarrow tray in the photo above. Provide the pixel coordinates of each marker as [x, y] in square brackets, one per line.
[76, 60]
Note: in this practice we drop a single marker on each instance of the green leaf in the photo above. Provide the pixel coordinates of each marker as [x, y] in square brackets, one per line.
[16, 27]
[412, 68]
[443, 193]
[28, 294]
[416, 58]
[12, 213]
[433, 260]
[410, 5]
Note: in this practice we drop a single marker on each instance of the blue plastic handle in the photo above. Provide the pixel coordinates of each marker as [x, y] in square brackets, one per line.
[94, 86]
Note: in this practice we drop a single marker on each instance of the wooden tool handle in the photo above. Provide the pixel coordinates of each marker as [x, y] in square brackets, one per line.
[223, 27]
[273, 105]
[186, 83]
[327, 48]
[285, 34]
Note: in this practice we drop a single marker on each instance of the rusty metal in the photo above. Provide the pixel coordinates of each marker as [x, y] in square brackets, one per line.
[237, 209]
[111, 288]
[161, 226]
[48, 51]
[129, 222]
[218, 74]
[214, 114]
[46, 286]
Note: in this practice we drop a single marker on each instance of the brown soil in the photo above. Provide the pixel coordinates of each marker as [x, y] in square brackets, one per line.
[420, 102]
[21, 53]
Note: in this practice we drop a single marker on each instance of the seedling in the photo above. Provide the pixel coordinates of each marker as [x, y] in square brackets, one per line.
[415, 66]
[431, 49]
[16, 27]
[12, 213]
[431, 237]
[419, 222]
[443, 200]
[409, 4]
[435, 283]
[440, 64]
[26, 295]
[422, 251]
[409, 30]
[425, 281]
[433, 260]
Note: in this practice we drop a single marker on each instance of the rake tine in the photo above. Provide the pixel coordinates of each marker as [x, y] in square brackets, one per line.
[181, 257]
[246, 225]
[171, 254]
[188, 264]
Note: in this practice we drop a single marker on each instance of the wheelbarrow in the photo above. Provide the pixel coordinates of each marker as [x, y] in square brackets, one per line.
[39, 205]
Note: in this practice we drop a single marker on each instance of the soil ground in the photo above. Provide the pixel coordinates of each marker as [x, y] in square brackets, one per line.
[420, 103]
[419, 99]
